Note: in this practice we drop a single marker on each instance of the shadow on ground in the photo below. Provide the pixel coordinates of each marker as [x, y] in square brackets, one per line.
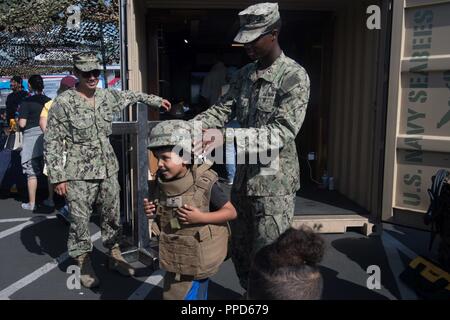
[367, 251]
[218, 292]
[48, 237]
[339, 289]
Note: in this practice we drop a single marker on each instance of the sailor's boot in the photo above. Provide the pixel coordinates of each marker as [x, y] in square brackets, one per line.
[118, 263]
[88, 278]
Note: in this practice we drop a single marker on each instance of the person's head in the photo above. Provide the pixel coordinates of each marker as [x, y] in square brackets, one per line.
[68, 82]
[86, 67]
[260, 25]
[171, 164]
[16, 83]
[36, 83]
[287, 269]
[170, 142]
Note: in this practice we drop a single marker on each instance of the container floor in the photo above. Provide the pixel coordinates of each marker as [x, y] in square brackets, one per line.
[312, 200]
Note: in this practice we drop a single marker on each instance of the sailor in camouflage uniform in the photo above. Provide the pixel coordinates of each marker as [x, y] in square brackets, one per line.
[269, 98]
[79, 124]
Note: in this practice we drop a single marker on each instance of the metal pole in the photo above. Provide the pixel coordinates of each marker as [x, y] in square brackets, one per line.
[142, 175]
[124, 84]
[142, 249]
[102, 42]
[123, 45]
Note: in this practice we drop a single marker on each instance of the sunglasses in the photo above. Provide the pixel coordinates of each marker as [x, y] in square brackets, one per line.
[88, 74]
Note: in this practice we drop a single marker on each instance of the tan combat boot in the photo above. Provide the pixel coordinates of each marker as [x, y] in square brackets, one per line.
[88, 277]
[118, 263]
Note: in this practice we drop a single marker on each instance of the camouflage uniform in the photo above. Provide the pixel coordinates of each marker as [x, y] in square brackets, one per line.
[91, 167]
[271, 102]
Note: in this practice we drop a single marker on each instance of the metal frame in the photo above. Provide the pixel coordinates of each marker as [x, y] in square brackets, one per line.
[384, 52]
[399, 63]
[392, 111]
[142, 247]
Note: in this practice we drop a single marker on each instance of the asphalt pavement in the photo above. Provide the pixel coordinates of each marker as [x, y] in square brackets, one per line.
[34, 263]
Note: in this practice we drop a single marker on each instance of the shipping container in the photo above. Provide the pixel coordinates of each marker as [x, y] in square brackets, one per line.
[378, 119]
[418, 118]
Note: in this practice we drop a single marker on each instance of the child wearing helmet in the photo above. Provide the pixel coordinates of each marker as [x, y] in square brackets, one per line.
[191, 211]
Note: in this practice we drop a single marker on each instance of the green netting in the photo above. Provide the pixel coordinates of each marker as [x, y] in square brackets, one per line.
[35, 36]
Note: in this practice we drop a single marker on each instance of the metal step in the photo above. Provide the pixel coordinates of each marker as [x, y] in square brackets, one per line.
[334, 223]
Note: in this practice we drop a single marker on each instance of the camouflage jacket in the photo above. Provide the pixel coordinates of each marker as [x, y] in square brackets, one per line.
[81, 131]
[270, 104]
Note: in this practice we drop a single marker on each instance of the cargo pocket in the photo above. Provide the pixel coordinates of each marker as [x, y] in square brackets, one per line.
[76, 191]
[214, 246]
[82, 128]
[269, 227]
[242, 110]
[266, 108]
[269, 223]
[179, 254]
[107, 120]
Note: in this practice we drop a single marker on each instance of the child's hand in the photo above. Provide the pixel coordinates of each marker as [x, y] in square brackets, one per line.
[190, 215]
[149, 208]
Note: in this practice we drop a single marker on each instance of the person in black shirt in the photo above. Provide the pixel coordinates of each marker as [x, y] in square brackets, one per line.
[14, 99]
[30, 110]
[33, 138]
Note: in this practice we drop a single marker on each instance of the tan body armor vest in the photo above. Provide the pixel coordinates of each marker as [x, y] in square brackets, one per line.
[194, 250]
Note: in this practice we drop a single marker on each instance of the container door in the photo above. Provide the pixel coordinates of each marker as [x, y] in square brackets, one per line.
[418, 116]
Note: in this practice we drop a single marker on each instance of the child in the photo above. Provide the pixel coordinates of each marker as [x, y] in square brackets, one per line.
[288, 269]
[191, 212]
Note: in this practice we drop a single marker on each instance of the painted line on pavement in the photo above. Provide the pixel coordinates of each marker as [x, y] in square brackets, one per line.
[400, 246]
[14, 220]
[20, 284]
[20, 227]
[392, 247]
[148, 285]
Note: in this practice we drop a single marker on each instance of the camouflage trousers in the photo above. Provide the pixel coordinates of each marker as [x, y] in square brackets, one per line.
[82, 196]
[260, 221]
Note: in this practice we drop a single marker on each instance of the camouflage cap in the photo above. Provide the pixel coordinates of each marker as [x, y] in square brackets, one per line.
[171, 133]
[87, 61]
[255, 20]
